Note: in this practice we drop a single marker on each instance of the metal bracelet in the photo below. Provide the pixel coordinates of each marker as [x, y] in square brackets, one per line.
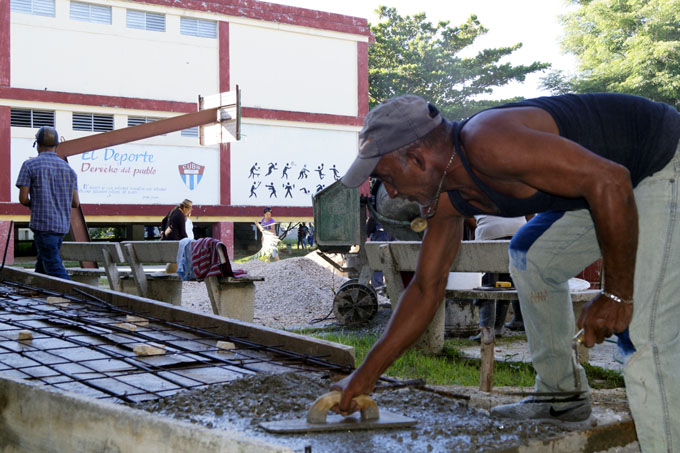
[616, 298]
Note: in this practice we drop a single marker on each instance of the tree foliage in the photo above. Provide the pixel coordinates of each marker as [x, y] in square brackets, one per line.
[625, 46]
[411, 55]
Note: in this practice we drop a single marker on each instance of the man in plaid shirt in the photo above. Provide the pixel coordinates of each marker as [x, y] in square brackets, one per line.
[48, 187]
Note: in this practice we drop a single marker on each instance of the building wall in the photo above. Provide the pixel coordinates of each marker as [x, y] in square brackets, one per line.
[62, 54]
[303, 76]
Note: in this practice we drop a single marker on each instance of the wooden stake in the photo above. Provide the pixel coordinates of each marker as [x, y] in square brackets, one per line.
[487, 355]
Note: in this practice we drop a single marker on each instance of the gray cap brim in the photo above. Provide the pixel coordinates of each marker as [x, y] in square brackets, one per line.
[359, 171]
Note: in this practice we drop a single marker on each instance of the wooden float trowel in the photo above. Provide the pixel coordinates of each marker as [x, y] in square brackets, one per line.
[319, 420]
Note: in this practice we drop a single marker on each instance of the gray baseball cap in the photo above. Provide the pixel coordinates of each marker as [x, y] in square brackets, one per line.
[395, 123]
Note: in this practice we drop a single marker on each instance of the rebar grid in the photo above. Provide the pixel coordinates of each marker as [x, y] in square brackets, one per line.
[85, 344]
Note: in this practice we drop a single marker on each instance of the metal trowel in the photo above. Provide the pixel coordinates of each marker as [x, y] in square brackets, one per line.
[369, 417]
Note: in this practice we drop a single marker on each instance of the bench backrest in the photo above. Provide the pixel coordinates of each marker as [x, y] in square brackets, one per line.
[91, 251]
[106, 254]
[473, 256]
[156, 252]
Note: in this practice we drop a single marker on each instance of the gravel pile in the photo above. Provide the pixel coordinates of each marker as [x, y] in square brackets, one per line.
[295, 292]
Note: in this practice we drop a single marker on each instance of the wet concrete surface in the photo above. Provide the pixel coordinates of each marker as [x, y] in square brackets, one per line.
[444, 424]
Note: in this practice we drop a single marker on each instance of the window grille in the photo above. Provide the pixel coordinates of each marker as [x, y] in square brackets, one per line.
[198, 27]
[37, 7]
[191, 132]
[92, 122]
[88, 12]
[137, 120]
[31, 118]
[145, 21]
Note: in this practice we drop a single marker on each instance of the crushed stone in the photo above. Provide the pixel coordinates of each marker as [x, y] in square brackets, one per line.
[295, 292]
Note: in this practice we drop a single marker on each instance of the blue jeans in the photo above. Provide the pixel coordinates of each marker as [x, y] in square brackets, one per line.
[49, 261]
[555, 246]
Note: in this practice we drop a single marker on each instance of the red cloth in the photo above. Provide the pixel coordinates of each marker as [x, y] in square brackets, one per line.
[205, 261]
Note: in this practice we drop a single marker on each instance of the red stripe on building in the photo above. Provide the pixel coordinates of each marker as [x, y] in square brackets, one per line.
[61, 97]
[4, 44]
[5, 160]
[223, 49]
[284, 115]
[362, 78]
[120, 210]
[225, 174]
[271, 12]
[224, 81]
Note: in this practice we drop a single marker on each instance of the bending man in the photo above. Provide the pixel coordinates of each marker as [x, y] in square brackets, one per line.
[591, 165]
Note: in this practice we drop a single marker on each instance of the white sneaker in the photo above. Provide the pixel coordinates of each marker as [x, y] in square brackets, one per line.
[572, 409]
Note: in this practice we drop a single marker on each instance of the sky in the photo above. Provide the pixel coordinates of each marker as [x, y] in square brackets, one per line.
[534, 23]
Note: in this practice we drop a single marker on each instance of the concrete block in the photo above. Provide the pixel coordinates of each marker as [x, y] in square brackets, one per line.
[232, 299]
[165, 289]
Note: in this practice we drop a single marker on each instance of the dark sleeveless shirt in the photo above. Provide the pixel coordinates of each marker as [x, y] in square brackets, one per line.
[635, 132]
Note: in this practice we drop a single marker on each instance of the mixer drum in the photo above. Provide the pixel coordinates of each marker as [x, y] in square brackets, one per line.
[396, 209]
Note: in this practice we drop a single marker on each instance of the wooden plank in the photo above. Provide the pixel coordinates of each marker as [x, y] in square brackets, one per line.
[137, 269]
[154, 251]
[111, 270]
[473, 256]
[90, 251]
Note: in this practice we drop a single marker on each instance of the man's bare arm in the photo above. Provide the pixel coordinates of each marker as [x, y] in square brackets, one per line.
[75, 201]
[417, 305]
[23, 196]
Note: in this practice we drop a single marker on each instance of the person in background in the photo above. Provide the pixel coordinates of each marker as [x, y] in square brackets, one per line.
[270, 240]
[173, 227]
[189, 225]
[492, 312]
[303, 231]
[48, 186]
[310, 236]
[376, 232]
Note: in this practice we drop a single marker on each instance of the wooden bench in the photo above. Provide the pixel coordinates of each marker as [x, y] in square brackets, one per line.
[106, 254]
[230, 297]
[392, 258]
[473, 256]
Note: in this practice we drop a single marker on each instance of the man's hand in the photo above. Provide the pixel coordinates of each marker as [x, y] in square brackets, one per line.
[601, 317]
[351, 386]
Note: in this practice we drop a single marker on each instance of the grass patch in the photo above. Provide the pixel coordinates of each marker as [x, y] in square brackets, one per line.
[451, 368]
[447, 368]
[600, 378]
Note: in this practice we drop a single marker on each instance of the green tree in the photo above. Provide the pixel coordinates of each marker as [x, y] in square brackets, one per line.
[411, 55]
[625, 46]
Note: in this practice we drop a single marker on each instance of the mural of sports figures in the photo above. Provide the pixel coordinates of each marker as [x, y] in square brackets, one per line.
[304, 184]
[285, 166]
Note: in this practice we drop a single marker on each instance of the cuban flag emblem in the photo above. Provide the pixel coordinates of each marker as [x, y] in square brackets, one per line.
[191, 174]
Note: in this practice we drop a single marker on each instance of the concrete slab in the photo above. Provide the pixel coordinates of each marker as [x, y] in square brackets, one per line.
[37, 419]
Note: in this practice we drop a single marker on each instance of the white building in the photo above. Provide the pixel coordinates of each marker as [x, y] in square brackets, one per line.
[93, 66]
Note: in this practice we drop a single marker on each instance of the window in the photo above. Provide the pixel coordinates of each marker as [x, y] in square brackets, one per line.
[191, 132]
[92, 122]
[88, 12]
[198, 27]
[145, 21]
[31, 118]
[137, 120]
[37, 7]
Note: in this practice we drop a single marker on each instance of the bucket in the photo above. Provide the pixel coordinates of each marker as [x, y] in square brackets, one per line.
[462, 319]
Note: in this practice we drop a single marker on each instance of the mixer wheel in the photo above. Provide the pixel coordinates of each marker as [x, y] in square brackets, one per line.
[355, 303]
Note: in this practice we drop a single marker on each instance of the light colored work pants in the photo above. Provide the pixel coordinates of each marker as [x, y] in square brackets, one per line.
[554, 247]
